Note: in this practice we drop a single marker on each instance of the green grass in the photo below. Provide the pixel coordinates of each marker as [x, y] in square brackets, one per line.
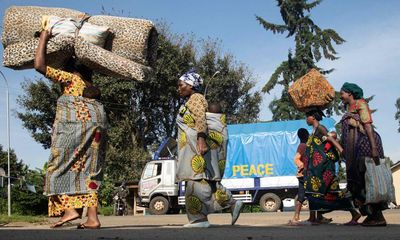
[4, 219]
[107, 211]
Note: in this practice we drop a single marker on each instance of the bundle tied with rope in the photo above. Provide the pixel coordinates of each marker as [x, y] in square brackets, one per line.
[311, 91]
[116, 46]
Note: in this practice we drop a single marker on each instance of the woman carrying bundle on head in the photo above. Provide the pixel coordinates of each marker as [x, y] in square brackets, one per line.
[321, 183]
[74, 171]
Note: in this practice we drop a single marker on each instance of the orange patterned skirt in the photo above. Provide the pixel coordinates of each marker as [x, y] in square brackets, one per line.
[58, 203]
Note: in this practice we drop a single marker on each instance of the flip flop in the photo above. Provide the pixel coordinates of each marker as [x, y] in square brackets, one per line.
[61, 223]
[83, 226]
[204, 224]
[307, 223]
[325, 220]
[374, 223]
[294, 223]
[351, 223]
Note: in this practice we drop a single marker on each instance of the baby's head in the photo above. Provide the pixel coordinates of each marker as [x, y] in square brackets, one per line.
[303, 135]
[333, 134]
[215, 108]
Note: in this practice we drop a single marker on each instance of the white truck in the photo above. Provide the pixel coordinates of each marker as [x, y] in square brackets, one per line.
[259, 168]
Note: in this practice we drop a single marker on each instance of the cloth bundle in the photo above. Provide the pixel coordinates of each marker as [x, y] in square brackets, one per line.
[128, 52]
[379, 182]
[311, 90]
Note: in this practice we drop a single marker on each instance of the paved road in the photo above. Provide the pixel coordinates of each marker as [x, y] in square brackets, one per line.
[250, 226]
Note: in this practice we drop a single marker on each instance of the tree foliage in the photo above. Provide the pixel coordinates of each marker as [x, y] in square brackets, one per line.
[311, 45]
[22, 201]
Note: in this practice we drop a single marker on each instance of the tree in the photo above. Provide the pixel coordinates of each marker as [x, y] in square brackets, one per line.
[39, 102]
[397, 116]
[231, 86]
[17, 168]
[142, 114]
[311, 44]
[22, 201]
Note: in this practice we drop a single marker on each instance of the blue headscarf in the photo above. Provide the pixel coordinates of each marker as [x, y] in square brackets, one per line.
[193, 79]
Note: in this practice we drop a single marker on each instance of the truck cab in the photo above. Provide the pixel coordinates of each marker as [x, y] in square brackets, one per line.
[158, 189]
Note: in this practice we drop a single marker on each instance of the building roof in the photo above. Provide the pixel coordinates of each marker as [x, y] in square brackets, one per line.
[396, 166]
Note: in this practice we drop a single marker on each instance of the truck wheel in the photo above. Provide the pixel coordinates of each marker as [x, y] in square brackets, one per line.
[270, 202]
[159, 206]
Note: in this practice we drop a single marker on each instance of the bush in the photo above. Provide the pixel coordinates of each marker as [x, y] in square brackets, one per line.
[107, 211]
[23, 202]
[106, 192]
[251, 208]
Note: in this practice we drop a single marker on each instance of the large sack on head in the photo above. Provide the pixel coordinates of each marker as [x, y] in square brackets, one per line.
[108, 62]
[311, 90]
[76, 27]
[22, 55]
[21, 23]
[134, 39]
[128, 51]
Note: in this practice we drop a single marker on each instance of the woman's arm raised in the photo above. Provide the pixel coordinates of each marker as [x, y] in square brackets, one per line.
[40, 57]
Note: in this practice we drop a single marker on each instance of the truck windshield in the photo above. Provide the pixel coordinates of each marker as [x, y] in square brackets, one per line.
[152, 170]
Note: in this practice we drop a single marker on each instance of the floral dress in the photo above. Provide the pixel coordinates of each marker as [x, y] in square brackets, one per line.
[321, 183]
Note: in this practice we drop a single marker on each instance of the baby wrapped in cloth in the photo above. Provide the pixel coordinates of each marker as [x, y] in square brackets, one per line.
[217, 139]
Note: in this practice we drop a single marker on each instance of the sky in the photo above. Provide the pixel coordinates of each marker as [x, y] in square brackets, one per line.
[369, 57]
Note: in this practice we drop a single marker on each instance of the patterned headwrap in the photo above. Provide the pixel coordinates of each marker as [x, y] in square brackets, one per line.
[354, 89]
[193, 79]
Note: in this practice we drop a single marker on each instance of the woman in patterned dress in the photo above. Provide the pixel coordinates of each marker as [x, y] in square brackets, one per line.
[204, 194]
[74, 171]
[321, 183]
[360, 141]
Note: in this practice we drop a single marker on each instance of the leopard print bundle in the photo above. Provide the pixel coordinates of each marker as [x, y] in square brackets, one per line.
[128, 53]
[21, 55]
[134, 39]
[21, 23]
[109, 63]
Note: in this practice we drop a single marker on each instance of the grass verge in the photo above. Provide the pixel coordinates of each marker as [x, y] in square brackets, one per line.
[4, 219]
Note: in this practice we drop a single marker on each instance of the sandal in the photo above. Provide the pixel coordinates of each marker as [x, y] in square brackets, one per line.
[61, 223]
[374, 223]
[351, 223]
[293, 223]
[307, 223]
[83, 226]
[325, 220]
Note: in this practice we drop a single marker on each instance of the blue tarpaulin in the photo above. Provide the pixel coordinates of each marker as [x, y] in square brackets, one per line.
[265, 149]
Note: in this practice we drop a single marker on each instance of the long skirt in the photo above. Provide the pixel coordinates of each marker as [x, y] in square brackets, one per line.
[356, 149]
[205, 197]
[74, 170]
[321, 183]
